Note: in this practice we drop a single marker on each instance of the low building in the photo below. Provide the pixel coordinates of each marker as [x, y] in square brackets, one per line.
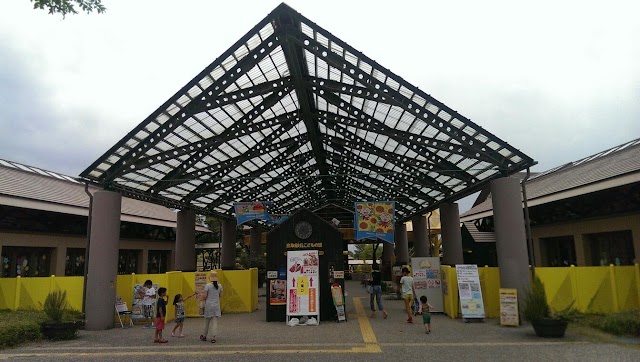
[583, 213]
[43, 226]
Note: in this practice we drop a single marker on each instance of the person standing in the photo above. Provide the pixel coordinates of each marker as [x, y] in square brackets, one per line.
[408, 292]
[148, 303]
[161, 314]
[212, 311]
[376, 292]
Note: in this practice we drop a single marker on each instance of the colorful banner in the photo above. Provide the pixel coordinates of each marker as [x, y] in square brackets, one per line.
[426, 279]
[469, 291]
[247, 211]
[338, 301]
[374, 220]
[303, 295]
[509, 307]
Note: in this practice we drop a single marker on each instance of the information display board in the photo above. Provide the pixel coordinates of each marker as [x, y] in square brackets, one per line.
[426, 279]
[303, 297]
[509, 307]
[469, 291]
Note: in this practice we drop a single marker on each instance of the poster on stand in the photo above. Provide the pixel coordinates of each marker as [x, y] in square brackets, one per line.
[469, 291]
[338, 301]
[200, 281]
[277, 289]
[426, 277]
[303, 296]
[509, 307]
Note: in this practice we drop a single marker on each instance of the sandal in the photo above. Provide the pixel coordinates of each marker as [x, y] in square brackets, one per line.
[163, 341]
[156, 341]
[213, 340]
[203, 338]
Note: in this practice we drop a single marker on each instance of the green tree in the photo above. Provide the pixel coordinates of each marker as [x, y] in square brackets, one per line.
[65, 7]
[365, 251]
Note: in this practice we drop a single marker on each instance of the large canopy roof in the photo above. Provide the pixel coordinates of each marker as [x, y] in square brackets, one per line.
[293, 115]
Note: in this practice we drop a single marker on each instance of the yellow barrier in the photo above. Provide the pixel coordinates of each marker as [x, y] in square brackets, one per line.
[240, 290]
[597, 289]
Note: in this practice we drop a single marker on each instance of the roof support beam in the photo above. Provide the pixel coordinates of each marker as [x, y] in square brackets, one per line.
[286, 25]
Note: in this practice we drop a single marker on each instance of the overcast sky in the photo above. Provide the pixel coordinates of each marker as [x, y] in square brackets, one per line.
[558, 80]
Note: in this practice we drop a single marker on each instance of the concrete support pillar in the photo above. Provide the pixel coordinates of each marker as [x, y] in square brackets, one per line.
[185, 259]
[60, 261]
[387, 260]
[255, 245]
[421, 242]
[103, 260]
[511, 240]
[451, 234]
[402, 244]
[228, 259]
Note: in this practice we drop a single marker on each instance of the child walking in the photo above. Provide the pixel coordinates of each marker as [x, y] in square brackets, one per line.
[425, 310]
[160, 315]
[178, 302]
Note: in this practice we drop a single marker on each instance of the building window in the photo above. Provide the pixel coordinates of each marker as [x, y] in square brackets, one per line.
[158, 261]
[614, 247]
[25, 262]
[558, 251]
[128, 261]
[74, 263]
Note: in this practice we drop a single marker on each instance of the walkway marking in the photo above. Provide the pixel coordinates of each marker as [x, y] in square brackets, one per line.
[368, 336]
[479, 344]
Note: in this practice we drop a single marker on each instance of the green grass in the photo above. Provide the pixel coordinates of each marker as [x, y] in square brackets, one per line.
[619, 324]
[19, 326]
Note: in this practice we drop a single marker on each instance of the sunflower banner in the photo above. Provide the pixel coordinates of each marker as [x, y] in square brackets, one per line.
[374, 220]
[247, 211]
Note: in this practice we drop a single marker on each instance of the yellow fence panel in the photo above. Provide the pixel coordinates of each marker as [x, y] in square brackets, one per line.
[8, 287]
[33, 291]
[73, 286]
[237, 296]
[594, 289]
[490, 286]
[188, 288]
[558, 287]
[627, 287]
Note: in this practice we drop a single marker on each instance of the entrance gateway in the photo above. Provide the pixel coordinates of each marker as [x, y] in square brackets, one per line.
[293, 115]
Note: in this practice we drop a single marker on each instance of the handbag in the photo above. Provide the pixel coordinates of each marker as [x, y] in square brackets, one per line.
[201, 307]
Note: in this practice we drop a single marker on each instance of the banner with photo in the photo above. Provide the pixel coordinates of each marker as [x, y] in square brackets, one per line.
[374, 220]
[469, 291]
[247, 211]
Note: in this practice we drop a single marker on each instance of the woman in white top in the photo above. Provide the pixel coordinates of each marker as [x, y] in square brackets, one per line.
[212, 294]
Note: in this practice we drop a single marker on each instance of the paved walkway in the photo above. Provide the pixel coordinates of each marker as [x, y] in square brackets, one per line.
[248, 337]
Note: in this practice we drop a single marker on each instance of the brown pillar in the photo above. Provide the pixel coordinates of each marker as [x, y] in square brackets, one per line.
[402, 244]
[451, 234]
[103, 260]
[511, 240]
[228, 244]
[185, 259]
[581, 255]
[387, 260]
[255, 246]
[60, 261]
[421, 242]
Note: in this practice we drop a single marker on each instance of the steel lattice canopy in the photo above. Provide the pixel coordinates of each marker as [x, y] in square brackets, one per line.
[293, 115]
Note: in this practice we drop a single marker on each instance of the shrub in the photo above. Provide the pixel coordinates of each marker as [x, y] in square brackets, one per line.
[535, 306]
[621, 324]
[55, 306]
[19, 326]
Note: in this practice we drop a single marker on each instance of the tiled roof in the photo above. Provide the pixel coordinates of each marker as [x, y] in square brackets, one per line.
[611, 163]
[480, 236]
[35, 184]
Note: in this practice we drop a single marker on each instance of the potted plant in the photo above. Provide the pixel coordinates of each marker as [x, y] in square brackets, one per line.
[536, 310]
[61, 323]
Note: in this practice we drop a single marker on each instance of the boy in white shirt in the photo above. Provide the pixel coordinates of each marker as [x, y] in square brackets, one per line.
[148, 303]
